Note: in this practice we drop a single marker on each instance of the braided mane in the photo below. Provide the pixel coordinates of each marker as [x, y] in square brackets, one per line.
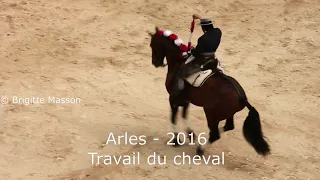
[177, 41]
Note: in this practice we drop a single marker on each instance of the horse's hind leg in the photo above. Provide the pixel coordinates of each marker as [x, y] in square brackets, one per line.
[174, 111]
[188, 129]
[214, 134]
[229, 125]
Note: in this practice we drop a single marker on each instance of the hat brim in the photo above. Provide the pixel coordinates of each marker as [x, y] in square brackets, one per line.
[206, 23]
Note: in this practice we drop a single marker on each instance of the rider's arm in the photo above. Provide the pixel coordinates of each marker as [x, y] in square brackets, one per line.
[198, 50]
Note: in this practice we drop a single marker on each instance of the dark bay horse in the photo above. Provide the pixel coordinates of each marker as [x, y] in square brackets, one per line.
[221, 96]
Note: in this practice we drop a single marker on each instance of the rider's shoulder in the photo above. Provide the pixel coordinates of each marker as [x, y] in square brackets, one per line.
[203, 36]
[218, 30]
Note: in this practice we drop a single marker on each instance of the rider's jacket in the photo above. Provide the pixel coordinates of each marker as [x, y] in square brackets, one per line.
[208, 42]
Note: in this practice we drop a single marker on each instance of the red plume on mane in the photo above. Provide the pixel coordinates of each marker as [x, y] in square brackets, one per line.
[160, 32]
[177, 41]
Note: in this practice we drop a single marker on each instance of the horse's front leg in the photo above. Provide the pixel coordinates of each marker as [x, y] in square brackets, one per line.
[188, 128]
[174, 111]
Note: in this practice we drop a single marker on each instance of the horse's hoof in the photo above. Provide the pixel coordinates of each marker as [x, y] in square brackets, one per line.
[193, 134]
[200, 152]
[176, 144]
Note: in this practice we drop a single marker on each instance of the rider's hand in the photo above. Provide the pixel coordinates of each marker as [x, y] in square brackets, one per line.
[196, 16]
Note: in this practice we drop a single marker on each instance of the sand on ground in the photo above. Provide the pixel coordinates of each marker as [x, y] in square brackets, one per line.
[98, 51]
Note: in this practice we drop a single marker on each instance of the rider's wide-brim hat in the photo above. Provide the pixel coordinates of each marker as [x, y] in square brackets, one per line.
[204, 22]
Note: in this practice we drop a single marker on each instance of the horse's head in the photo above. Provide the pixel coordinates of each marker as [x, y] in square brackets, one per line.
[166, 44]
[158, 49]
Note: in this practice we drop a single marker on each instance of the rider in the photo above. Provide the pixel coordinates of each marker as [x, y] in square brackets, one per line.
[208, 43]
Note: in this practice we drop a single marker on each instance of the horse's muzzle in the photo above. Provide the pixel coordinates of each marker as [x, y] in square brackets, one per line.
[159, 65]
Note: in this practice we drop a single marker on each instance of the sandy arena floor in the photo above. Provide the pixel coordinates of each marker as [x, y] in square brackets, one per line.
[98, 50]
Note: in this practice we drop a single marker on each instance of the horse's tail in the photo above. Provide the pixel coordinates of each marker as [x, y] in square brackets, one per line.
[252, 131]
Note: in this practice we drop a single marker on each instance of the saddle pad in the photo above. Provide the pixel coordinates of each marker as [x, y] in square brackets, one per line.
[198, 78]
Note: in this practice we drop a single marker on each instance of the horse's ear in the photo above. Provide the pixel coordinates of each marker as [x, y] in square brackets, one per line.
[150, 34]
[157, 28]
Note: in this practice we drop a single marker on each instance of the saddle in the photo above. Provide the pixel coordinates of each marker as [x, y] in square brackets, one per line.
[198, 71]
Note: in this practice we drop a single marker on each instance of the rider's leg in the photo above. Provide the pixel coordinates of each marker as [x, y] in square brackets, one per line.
[208, 65]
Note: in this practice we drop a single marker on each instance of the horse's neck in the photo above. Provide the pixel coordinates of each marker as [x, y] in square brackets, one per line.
[174, 63]
[173, 68]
